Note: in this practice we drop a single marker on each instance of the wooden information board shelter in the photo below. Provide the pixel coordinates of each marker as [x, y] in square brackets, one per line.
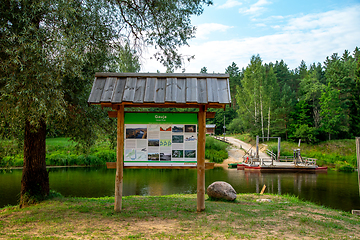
[174, 90]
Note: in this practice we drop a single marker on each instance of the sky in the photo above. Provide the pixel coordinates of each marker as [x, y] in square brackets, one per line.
[234, 30]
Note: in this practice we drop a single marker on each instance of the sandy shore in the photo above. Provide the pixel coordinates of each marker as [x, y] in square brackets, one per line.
[236, 152]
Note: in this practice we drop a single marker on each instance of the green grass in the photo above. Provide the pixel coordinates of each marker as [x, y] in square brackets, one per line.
[175, 217]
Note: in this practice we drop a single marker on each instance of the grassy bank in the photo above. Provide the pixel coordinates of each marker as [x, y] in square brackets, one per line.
[336, 154]
[63, 152]
[175, 217]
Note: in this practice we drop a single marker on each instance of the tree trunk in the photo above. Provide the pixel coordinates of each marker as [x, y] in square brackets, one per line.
[268, 134]
[262, 119]
[255, 110]
[35, 178]
[286, 131]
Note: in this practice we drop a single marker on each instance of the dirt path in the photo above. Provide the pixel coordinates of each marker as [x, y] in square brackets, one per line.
[237, 151]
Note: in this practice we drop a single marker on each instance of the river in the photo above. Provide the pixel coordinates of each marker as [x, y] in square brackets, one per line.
[333, 189]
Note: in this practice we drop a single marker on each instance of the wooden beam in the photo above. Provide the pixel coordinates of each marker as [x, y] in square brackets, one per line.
[112, 165]
[107, 104]
[112, 114]
[210, 114]
[201, 159]
[119, 159]
[172, 105]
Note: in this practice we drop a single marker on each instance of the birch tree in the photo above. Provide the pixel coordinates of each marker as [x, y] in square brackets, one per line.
[256, 96]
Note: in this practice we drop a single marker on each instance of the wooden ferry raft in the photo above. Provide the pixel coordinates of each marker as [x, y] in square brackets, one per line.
[295, 163]
[280, 168]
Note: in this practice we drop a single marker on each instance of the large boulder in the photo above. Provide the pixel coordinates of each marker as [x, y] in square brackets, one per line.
[221, 190]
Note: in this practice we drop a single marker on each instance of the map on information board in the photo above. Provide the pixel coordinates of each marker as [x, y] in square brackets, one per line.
[160, 138]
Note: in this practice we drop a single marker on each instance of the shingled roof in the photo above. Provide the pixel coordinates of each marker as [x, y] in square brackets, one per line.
[160, 89]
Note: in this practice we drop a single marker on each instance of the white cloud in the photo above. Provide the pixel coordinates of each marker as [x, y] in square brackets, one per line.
[256, 8]
[203, 30]
[230, 4]
[327, 20]
[310, 37]
[260, 25]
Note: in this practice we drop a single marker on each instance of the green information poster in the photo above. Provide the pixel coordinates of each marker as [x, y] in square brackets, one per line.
[168, 139]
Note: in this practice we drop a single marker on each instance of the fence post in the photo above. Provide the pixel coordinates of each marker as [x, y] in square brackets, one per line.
[278, 153]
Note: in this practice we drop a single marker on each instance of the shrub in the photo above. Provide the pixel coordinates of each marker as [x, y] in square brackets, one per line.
[214, 144]
[12, 161]
[59, 159]
[215, 150]
[216, 156]
[346, 168]
[106, 156]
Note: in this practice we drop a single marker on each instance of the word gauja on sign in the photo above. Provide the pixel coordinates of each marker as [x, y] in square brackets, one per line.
[160, 118]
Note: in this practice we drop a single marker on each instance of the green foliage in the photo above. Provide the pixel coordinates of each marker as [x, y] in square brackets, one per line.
[212, 143]
[63, 152]
[234, 81]
[331, 112]
[346, 168]
[301, 125]
[54, 194]
[106, 156]
[98, 159]
[337, 154]
[203, 70]
[216, 156]
[215, 150]
[315, 104]
[236, 126]
[12, 161]
[228, 113]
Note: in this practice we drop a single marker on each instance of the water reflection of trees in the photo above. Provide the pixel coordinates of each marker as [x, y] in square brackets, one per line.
[279, 183]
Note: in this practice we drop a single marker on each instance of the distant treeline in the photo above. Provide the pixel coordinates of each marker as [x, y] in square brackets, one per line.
[315, 103]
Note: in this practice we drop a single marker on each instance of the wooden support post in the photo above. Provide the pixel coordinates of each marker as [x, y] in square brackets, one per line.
[201, 159]
[119, 159]
[278, 153]
[358, 159]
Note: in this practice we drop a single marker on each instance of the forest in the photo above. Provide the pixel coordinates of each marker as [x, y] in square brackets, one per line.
[313, 103]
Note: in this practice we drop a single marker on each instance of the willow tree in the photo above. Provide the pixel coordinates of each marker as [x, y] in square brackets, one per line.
[49, 49]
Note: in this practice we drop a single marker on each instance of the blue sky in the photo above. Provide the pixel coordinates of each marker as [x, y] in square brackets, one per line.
[234, 30]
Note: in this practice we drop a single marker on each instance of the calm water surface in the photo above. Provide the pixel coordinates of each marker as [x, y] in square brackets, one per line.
[333, 189]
